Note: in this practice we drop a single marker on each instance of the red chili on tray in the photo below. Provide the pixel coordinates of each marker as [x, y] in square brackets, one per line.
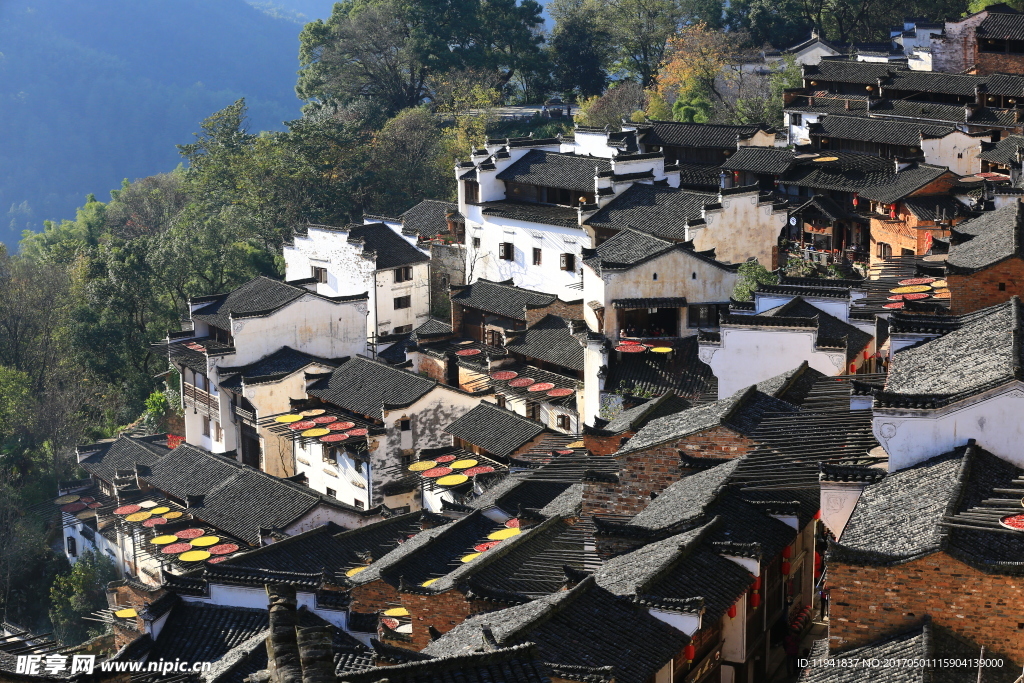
[358, 432]
[215, 560]
[305, 424]
[468, 352]
[541, 386]
[86, 499]
[484, 547]
[340, 426]
[564, 451]
[223, 549]
[93, 506]
[325, 419]
[898, 304]
[918, 281]
[190, 533]
[127, 509]
[72, 508]
[437, 472]
[512, 523]
[176, 548]
[481, 469]
[390, 623]
[155, 521]
[504, 375]
[522, 382]
[332, 438]
[444, 458]
[638, 348]
[560, 392]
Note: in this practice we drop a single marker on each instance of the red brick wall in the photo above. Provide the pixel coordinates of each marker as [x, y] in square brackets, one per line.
[868, 603]
[373, 596]
[970, 292]
[655, 469]
[573, 311]
[443, 611]
[433, 368]
[604, 445]
[987, 63]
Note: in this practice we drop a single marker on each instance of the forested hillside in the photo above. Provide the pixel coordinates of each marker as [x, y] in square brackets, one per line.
[91, 93]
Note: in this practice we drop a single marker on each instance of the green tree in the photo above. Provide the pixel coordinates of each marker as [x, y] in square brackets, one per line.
[77, 595]
[752, 274]
[579, 47]
[405, 162]
[618, 103]
[780, 23]
[639, 31]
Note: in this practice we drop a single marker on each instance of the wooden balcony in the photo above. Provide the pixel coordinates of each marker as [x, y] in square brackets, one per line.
[201, 401]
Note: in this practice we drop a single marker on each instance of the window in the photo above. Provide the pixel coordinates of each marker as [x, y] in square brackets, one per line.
[706, 315]
[563, 422]
[655, 276]
[403, 274]
[359, 504]
[568, 262]
[72, 546]
[402, 329]
[405, 425]
[476, 242]
[1002, 286]
[319, 274]
[796, 119]
[506, 251]
[536, 256]
[217, 433]
[200, 381]
[206, 426]
[533, 411]
[332, 493]
[403, 302]
[907, 252]
[883, 250]
[472, 192]
[501, 401]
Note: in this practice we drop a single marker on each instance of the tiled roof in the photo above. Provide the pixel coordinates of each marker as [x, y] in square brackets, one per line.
[933, 82]
[703, 177]
[544, 214]
[259, 296]
[122, 453]
[793, 386]
[935, 207]
[513, 493]
[760, 160]
[883, 131]
[688, 498]
[902, 517]
[1003, 152]
[673, 134]
[277, 365]
[846, 71]
[984, 241]
[999, 26]
[656, 209]
[831, 330]
[923, 644]
[635, 418]
[585, 626]
[824, 205]
[516, 664]
[626, 249]
[549, 340]
[873, 177]
[983, 353]
[653, 373]
[365, 386]
[741, 412]
[494, 429]
[389, 248]
[554, 169]
[195, 632]
[395, 353]
[903, 183]
[500, 298]
[428, 218]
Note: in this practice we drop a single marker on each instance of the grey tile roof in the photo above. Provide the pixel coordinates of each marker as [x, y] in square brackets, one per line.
[549, 340]
[500, 298]
[626, 249]
[760, 160]
[824, 205]
[365, 386]
[195, 632]
[741, 412]
[122, 453]
[1004, 152]
[389, 249]
[544, 214]
[585, 626]
[883, 131]
[902, 184]
[702, 177]
[555, 169]
[656, 209]
[793, 386]
[988, 239]
[428, 218]
[635, 418]
[924, 643]
[654, 373]
[713, 135]
[846, 71]
[515, 664]
[277, 365]
[984, 352]
[873, 177]
[831, 330]
[259, 296]
[513, 493]
[935, 207]
[1000, 26]
[494, 429]
[688, 498]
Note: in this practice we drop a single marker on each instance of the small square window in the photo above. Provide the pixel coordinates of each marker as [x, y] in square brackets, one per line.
[506, 251]
[501, 401]
[796, 119]
[402, 329]
[405, 425]
[563, 422]
[403, 274]
[319, 274]
[403, 302]
[206, 426]
[359, 504]
[568, 262]
[476, 242]
[536, 256]
[332, 493]
[1002, 286]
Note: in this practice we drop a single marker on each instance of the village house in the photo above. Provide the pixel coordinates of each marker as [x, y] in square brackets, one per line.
[381, 417]
[985, 42]
[142, 493]
[985, 263]
[267, 331]
[373, 258]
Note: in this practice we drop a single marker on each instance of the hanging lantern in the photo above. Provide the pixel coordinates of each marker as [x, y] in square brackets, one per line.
[892, 211]
[736, 176]
[732, 611]
[787, 552]
[856, 199]
[755, 600]
[853, 368]
[786, 568]
[689, 652]
[757, 584]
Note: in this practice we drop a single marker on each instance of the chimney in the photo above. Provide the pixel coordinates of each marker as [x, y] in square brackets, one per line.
[282, 645]
[316, 653]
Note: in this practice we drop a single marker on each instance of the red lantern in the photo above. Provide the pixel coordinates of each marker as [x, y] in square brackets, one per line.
[755, 600]
[757, 583]
[732, 611]
[689, 652]
[736, 176]
[892, 211]
[817, 515]
[853, 368]
[787, 552]
[856, 200]
[786, 568]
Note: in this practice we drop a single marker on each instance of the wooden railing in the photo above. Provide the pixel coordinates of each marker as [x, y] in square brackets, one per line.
[201, 401]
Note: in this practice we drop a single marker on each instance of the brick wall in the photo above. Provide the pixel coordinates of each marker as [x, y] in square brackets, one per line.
[373, 596]
[432, 368]
[868, 603]
[444, 611]
[655, 469]
[970, 292]
[605, 445]
[906, 232]
[571, 311]
[987, 63]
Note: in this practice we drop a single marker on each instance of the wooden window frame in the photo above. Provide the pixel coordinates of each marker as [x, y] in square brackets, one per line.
[403, 302]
